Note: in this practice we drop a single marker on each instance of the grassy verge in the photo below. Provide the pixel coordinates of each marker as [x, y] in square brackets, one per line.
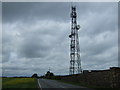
[88, 86]
[78, 84]
[19, 83]
[0, 83]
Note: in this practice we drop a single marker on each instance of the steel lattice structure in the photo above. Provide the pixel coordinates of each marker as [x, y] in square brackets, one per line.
[75, 62]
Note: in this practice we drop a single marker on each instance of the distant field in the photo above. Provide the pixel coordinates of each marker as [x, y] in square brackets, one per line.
[19, 83]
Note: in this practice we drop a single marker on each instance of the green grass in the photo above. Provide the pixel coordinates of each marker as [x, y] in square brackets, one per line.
[19, 83]
[0, 82]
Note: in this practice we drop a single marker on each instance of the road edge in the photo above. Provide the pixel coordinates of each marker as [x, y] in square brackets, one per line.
[39, 84]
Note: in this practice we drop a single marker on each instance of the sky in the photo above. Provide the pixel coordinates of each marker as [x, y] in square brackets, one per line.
[35, 37]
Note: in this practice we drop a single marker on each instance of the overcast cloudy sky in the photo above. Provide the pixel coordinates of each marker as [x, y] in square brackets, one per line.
[35, 37]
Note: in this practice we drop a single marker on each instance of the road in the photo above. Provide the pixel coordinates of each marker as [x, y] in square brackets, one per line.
[46, 83]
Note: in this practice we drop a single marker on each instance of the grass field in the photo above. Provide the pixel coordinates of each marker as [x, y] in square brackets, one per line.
[19, 83]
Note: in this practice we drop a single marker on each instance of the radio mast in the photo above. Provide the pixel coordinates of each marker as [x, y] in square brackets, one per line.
[75, 60]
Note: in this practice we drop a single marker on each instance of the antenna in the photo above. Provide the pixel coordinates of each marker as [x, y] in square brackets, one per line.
[71, 4]
[75, 60]
[49, 68]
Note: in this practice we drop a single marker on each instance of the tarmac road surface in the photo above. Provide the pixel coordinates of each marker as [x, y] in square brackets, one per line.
[53, 84]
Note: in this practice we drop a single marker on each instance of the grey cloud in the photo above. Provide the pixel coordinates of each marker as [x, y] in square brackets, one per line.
[58, 11]
[119, 33]
[41, 41]
[32, 11]
[35, 37]
[99, 24]
[99, 44]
